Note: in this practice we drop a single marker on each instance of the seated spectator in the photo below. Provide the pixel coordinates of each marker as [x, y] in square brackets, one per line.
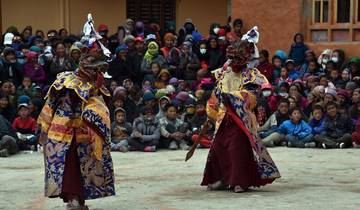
[334, 77]
[298, 49]
[294, 74]
[120, 131]
[132, 103]
[75, 54]
[296, 92]
[214, 54]
[8, 139]
[342, 99]
[264, 65]
[268, 132]
[127, 83]
[26, 88]
[155, 70]
[356, 135]
[262, 112]
[174, 132]
[119, 67]
[163, 101]
[309, 56]
[34, 70]
[269, 97]
[197, 123]
[297, 132]
[162, 79]
[145, 134]
[313, 69]
[345, 78]
[189, 62]
[337, 133]
[330, 96]
[7, 110]
[35, 106]
[152, 56]
[284, 76]
[60, 62]
[25, 126]
[277, 64]
[317, 121]
[354, 110]
[10, 69]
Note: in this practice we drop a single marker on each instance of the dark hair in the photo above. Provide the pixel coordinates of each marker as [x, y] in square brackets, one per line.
[61, 30]
[296, 109]
[155, 63]
[237, 21]
[277, 57]
[265, 53]
[299, 34]
[52, 31]
[317, 107]
[168, 106]
[331, 103]
[283, 100]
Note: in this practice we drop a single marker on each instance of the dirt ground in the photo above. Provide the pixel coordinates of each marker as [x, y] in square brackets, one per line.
[311, 179]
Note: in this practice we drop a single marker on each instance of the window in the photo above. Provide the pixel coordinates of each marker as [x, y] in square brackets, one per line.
[320, 11]
[334, 21]
[343, 11]
[161, 11]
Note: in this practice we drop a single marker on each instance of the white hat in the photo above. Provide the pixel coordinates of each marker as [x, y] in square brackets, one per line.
[253, 36]
[8, 38]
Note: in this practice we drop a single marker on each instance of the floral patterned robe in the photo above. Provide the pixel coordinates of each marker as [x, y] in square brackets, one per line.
[75, 110]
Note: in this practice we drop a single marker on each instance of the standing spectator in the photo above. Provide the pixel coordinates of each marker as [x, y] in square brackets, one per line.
[75, 54]
[338, 57]
[60, 62]
[169, 40]
[298, 49]
[187, 29]
[9, 67]
[146, 132]
[135, 59]
[337, 133]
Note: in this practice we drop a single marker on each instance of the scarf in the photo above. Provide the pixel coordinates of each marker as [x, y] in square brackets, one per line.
[151, 53]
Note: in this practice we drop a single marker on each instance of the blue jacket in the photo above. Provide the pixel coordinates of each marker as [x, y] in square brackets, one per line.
[300, 130]
[317, 126]
[297, 53]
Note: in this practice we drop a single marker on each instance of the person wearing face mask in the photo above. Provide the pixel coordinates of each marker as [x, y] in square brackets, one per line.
[338, 57]
[9, 67]
[269, 97]
[325, 57]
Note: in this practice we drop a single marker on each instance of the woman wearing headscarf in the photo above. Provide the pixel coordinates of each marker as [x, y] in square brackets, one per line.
[215, 56]
[169, 41]
[189, 63]
[152, 55]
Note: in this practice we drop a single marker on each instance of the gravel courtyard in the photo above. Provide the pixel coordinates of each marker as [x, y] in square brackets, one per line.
[311, 179]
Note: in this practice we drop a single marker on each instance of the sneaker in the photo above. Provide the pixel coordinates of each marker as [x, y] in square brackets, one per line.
[342, 145]
[173, 145]
[310, 145]
[324, 145]
[4, 153]
[150, 149]
[184, 146]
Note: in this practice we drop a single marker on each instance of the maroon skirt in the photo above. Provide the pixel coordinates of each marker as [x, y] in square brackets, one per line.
[72, 185]
[231, 158]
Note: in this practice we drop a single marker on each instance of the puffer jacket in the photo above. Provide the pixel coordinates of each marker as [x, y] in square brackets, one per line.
[300, 130]
[337, 127]
[149, 130]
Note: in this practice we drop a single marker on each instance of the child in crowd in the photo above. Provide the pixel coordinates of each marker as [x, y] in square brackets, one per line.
[297, 132]
[162, 79]
[174, 132]
[145, 134]
[277, 63]
[197, 123]
[25, 126]
[155, 70]
[284, 76]
[294, 74]
[317, 121]
[26, 88]
[120, 131]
